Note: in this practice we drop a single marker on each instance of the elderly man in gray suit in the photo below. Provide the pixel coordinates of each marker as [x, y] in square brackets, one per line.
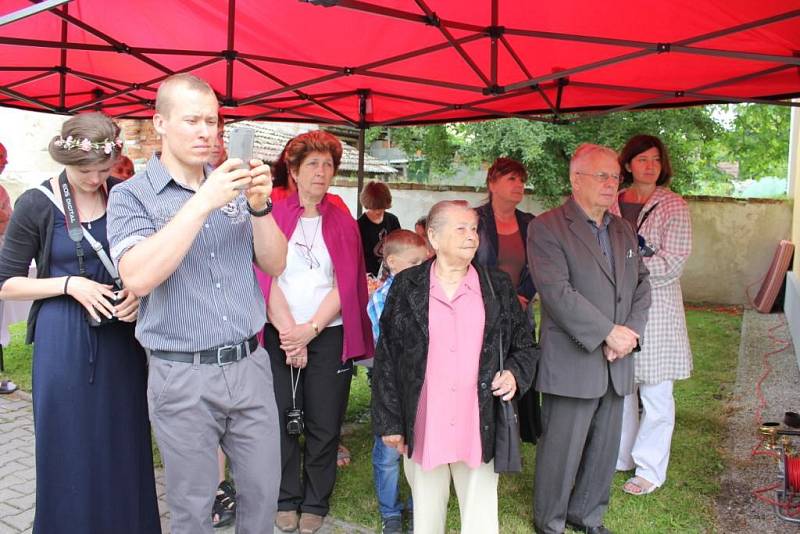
[595, 296]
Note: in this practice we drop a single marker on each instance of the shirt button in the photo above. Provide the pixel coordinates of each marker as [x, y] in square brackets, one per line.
[212, 254]
[224, 317]
[453, 422]
[483, 385]
[453, 388]
[453, 348]
[218, 286]
[207, 225]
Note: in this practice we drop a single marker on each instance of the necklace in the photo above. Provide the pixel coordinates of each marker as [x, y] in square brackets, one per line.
[307, 251]
[94, 213]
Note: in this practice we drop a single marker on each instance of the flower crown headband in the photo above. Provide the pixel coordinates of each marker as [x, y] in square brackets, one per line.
[87, 145]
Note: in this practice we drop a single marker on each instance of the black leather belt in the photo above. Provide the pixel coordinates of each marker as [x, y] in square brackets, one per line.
[218, 356]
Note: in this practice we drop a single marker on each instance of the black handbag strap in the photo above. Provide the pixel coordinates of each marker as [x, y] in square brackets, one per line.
[500, 347]
[646, 215]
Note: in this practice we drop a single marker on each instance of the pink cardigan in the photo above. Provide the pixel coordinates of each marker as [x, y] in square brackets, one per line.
[340, 233]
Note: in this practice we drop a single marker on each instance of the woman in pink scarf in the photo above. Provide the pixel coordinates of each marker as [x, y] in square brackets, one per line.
[317, 325]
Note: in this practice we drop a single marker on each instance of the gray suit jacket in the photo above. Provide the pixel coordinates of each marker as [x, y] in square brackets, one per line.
[582, 300]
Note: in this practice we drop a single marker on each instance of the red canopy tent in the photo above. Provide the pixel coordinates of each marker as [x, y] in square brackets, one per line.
[395, 62]
[400, 62]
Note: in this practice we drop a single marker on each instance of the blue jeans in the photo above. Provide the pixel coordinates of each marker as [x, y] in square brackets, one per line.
[386, 473]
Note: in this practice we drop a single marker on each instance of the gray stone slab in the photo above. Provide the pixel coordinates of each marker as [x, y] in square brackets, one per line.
[20, 521]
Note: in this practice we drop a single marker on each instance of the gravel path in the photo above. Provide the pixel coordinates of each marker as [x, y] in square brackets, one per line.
[738, 510]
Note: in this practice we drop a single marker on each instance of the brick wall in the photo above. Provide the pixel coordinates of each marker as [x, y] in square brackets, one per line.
[141, 139]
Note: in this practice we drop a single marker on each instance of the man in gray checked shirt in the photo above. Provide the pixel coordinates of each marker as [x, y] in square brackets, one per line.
[185, 240]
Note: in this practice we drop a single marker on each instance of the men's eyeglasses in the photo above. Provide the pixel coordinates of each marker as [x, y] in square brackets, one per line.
[601, 177]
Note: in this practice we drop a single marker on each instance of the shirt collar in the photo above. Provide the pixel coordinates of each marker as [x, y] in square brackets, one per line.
[592, 222]
[159, 176]
[387, 283]
[470, 282]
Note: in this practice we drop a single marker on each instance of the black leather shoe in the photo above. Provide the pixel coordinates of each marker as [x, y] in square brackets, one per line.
[589, 530]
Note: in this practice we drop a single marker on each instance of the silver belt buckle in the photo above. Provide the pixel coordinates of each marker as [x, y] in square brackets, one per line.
[221, 351]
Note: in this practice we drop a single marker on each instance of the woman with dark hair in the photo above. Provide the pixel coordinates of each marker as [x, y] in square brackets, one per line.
[662, 221]
[317, 325]
[375, 223]
[94, 466]
[503, 231]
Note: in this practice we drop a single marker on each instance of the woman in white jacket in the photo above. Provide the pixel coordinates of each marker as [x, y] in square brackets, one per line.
[661, 218]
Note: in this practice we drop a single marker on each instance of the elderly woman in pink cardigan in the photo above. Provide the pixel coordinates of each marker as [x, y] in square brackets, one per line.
[317, 325]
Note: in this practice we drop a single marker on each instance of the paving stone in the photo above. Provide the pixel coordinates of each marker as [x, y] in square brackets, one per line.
[21, 521]
[18, 484]
[7, 494]
[6, 509]
[25, 487]
[11, 468]
[13, 455]
[24, 502]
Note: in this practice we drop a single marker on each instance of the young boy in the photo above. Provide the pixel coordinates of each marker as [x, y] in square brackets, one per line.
[401, 249]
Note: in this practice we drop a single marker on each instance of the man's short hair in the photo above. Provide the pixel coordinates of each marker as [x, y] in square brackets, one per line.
[190, 81]
[587, 149]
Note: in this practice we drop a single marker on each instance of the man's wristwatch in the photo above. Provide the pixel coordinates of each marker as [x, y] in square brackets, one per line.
[260, 213]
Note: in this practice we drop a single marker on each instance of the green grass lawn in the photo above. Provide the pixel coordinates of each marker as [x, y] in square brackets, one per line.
[685, 504]
[17, 357]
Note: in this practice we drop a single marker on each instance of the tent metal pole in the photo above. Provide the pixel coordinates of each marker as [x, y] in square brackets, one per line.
[115, 45]
[22, 98]
[16, 41]
[290, 88]
[26, 12]
[300, 94]
[62, 75]
[362, 128]
[681, 94]
[45, 74]
[771, 58]
[230, 53]
[326, 96]
[361, 69]
[396, 13]
[494, 37]
[421, 81]
[136, 87]
[305, 104]
[430, 15]
[527, 73]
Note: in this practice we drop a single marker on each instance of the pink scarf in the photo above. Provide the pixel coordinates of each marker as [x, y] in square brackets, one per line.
[341, 236]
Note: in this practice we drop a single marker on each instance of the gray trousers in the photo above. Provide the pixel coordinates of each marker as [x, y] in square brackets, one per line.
[575, 460]
[196, 407]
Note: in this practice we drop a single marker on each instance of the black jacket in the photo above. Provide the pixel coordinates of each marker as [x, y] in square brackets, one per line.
[402, 352]
[489, 247]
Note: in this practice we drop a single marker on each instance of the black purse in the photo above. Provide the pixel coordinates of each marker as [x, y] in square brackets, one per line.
[507, 455]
